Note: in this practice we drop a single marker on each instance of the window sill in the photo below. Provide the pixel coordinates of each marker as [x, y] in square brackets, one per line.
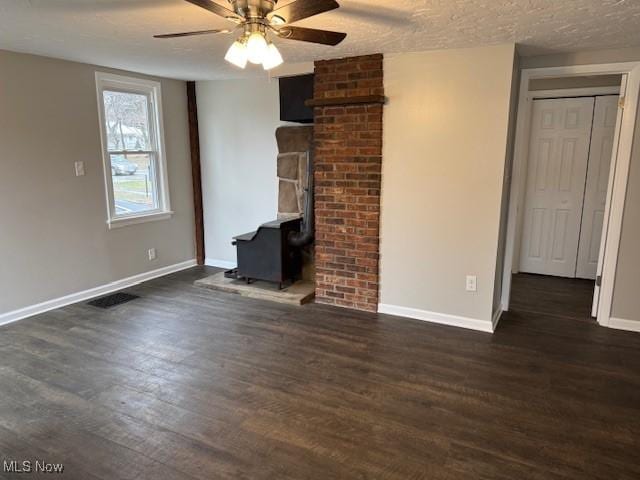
[126, 221]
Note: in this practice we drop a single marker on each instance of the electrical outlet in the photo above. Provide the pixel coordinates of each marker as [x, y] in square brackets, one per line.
[152, 254]
[472, 283]
[79, 169]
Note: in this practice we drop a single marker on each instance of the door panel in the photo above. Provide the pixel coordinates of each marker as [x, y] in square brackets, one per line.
[557, 169]
[604, 123]
[559, 236]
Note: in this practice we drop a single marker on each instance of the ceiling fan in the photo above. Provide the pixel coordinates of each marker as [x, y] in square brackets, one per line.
[260, 18]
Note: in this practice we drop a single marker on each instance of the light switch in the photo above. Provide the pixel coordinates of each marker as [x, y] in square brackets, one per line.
[79, 169]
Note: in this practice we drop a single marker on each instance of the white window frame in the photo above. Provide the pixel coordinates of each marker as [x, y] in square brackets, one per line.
[152, 90]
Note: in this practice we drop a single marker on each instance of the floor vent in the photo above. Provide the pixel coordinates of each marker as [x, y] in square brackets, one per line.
[113, 300]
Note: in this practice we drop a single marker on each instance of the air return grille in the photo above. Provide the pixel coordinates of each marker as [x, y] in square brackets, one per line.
[113, 300]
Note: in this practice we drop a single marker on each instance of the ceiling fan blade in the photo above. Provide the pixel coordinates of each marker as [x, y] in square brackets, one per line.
[311, 35]
[301, 9]
[217, 9]
[189, 34]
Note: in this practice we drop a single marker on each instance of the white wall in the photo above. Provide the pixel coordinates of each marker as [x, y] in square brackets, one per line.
[445, 140]
[54, 239]
[237, 121]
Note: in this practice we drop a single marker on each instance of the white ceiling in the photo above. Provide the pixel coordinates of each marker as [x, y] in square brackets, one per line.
[118, 33]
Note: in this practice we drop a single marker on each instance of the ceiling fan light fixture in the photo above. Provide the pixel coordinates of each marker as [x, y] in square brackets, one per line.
[237, 54]
[257, 47]
[258, 20]
[277, 20]
[273, 58]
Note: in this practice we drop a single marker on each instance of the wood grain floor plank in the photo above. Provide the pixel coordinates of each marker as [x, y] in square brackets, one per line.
[187, 383]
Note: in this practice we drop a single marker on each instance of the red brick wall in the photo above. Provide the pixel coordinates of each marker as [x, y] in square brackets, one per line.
[348, 161]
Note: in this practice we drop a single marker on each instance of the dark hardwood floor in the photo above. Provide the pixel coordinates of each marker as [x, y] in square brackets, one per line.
[555, 296]
[190, 384]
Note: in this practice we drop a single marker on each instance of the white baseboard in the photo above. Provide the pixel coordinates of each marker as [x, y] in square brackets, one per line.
[52, 304]
[214, 262]
[623, 324]
[441, 318]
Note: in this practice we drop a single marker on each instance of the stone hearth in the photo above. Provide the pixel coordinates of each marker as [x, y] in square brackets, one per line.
[297, 294]
[294, 146]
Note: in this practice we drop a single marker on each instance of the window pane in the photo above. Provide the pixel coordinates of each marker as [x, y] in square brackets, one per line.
[127, 118]
[134, 184]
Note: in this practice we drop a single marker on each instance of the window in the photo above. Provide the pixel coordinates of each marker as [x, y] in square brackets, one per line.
[132, 144]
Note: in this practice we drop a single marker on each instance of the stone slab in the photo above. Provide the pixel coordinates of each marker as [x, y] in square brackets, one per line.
[288, 165]
[288, 201]
[297, 294]
[294, 139]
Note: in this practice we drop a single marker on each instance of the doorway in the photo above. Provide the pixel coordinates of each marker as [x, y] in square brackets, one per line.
[575, 216]
[571, 142]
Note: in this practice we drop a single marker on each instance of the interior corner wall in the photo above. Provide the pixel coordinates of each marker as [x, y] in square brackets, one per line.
[53, 225]
[626, 296]
[238, 153]
[445, 139]
[506, 187]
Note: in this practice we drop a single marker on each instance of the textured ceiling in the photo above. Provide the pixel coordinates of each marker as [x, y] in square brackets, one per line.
[118, 33]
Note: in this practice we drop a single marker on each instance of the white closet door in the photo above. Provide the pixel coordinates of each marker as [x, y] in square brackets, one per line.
[557, 170]
[595, 197]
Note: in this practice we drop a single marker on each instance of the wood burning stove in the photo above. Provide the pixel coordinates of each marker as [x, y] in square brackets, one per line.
[273, 252]
[267, 254]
